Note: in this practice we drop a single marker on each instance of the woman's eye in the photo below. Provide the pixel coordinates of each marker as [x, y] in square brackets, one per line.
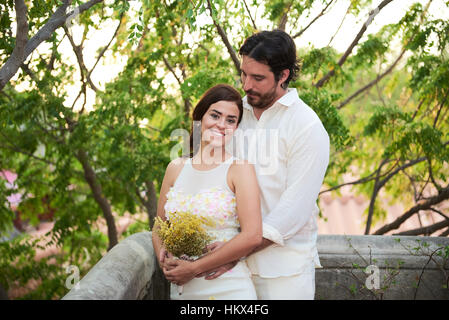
[213, 115]
[232, 121]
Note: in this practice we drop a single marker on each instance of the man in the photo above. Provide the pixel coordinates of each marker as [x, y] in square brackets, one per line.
[283, 267]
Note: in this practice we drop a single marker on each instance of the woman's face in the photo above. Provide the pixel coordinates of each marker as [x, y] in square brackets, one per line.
[219, 123]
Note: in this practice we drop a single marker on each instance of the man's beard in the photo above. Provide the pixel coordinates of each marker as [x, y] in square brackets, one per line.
[264, 100]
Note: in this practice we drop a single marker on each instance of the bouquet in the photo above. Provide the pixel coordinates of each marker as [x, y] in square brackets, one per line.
[184, 235]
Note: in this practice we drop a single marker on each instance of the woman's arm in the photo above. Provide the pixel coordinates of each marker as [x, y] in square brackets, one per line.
[243, 177]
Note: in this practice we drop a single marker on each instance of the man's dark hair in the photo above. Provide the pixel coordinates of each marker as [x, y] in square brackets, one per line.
[275, 49]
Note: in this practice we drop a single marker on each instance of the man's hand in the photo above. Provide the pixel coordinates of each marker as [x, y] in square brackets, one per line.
[215, 273]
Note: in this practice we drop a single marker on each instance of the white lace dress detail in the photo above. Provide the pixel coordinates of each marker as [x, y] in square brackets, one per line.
[216, 203]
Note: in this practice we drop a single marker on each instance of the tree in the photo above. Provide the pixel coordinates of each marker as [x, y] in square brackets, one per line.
[385, 109]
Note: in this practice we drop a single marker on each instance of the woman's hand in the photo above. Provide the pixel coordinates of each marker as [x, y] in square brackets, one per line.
[163, 254]
[179, 271]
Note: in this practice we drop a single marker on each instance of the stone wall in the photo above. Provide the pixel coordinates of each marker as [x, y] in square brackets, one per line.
[398, 268]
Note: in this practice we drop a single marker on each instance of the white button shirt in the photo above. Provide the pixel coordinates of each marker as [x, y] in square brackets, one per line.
[289, 148]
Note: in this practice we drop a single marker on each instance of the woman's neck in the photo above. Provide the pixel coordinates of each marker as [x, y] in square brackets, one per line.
[208, 156]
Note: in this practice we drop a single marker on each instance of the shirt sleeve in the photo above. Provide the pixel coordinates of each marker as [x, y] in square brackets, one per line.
[308, 158]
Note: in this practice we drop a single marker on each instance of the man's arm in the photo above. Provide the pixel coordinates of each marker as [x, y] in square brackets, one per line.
[215, 273]
[265, 243]
[308, 158]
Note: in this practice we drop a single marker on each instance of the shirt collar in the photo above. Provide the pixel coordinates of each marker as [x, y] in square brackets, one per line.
[286, 100]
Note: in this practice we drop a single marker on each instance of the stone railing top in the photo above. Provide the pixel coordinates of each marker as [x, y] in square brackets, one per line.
[340, 244]
[123, 273]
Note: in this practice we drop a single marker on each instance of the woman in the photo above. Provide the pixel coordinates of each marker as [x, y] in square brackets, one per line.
[213, 183]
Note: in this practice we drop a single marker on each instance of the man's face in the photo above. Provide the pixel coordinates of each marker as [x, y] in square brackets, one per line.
[259, 83]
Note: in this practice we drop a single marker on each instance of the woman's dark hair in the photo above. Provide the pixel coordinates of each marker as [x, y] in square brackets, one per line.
[275, 49]
[220, 92]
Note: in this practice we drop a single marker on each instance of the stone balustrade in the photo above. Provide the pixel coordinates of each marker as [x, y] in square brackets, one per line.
[354, 267]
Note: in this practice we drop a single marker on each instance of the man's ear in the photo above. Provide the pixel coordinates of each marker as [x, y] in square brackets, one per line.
[284, 76]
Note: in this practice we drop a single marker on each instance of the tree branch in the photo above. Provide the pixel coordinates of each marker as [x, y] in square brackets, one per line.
[169, 67]
[373, 82]
[18, 55]
[444, 233]
[339, 27]
[436, 184]
[313, 21]
[348, 51]
[440, 108]
[441, 196]
[425, 230]
[440, 213]
[372, 175]
[89, 73]
[25, 67]
[107, 46]
[380, 77]
[224, 37]
[79, 56]
[50, 64]
[250, 16]
[284, 18]
[56, 21]
[187, 103]
[376, 189]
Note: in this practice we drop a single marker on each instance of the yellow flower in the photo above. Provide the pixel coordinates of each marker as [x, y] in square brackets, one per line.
[184, 233]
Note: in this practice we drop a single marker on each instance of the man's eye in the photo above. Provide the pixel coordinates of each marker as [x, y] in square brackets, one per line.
[258, 79]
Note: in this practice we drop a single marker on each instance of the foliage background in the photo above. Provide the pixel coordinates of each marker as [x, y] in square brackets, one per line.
[101, 154]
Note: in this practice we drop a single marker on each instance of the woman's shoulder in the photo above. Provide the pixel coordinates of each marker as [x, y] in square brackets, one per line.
[175, 166]
[241, 166]
[243, 173]
[178, 162]
[240, 161]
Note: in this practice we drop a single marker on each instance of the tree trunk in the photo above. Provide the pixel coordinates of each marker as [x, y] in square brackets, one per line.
[95, 186]
[150, 202]
[17, 57]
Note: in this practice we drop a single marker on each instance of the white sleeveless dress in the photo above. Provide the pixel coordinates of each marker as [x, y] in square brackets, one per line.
[207, 193]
